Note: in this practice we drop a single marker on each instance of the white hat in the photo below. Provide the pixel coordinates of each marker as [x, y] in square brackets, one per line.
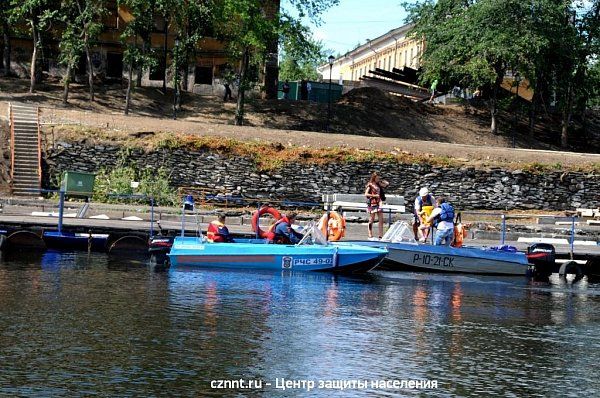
[423, 192]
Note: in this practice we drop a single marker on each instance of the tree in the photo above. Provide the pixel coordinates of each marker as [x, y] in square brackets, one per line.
[299, 60]
[142, 22]
[190, 21]
[82, 25]
[249, 30]
[4, 15]
[473, 42]
[38, 14]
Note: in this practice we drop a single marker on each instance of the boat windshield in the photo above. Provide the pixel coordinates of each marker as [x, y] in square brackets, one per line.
[313, 236]
[399, 232]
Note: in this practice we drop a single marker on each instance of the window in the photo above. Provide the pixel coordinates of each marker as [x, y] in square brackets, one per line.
[111, 17]
[160, 24]
[411, 56]
[390, 63]
[405, 56]
[203, 75]
[114, 65]
[158, 72]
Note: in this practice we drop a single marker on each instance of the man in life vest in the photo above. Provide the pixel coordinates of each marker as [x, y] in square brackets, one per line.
[424, 199]
[284, 233]
[217, 231]
[443, 217]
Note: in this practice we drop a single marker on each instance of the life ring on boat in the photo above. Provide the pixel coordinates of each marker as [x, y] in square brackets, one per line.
[335, 228]
[256, 228]
[460, 233]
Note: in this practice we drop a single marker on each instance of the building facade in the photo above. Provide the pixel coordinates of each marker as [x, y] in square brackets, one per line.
[391, 50]
[203, 73]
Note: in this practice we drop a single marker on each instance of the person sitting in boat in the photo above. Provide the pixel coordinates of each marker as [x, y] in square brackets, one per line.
[424, 203]
[283, 231]
[443, 218]
[217, 231]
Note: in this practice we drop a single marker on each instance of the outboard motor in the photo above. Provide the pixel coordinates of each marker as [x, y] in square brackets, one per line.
[542, 256]
[159, 247]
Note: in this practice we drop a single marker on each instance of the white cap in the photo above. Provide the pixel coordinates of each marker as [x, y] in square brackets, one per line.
[423, 192]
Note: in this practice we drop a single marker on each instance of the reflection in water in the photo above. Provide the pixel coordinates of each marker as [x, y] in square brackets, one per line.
[79, 324]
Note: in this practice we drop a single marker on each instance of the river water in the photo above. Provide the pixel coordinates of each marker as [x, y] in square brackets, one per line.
[73, 324]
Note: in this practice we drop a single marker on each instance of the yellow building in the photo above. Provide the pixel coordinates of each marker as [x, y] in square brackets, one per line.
[391, 50]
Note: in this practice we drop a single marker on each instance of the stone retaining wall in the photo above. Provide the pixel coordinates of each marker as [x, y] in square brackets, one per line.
[466, 187]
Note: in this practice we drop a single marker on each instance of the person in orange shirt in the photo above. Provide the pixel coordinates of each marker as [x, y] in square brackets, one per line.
[217, 231]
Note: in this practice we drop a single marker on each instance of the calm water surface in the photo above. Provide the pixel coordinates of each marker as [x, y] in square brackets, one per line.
[79, 325]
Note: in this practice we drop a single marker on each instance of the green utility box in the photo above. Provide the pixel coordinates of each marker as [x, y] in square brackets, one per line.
[78, 183]
[319, 92]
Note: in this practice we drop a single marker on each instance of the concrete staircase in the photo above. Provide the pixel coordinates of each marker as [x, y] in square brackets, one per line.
[25, 150]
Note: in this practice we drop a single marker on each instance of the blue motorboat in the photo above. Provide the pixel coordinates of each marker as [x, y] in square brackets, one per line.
[309, 255]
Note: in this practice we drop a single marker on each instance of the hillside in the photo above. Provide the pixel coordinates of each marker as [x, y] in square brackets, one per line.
[364, 111]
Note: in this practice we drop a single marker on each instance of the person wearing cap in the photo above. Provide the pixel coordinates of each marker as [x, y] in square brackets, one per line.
[424, 199]
[217, 231]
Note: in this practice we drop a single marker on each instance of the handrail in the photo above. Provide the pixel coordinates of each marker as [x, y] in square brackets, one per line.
[12, 141]
[39, 148]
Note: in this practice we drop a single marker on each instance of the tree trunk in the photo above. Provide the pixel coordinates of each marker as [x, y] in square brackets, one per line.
[90, 67]
[140, 71]
[6, 54]
[128, 95]
[494, 101]
[564, 132]
[67, 81]
[33, 57]
[239, 111]
[186, 72]
[165, 56]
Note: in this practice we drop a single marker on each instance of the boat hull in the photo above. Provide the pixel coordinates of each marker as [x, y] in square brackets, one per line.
[431, 258]
[190, 252]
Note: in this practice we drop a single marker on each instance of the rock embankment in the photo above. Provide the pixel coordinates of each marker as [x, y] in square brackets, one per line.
[466, 187]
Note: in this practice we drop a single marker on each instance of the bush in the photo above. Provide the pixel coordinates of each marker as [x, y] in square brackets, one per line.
[115, 185]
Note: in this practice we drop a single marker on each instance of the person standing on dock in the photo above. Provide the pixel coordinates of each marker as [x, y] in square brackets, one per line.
[375, 196]
[425, 199]
[217, 231]
[443, 217]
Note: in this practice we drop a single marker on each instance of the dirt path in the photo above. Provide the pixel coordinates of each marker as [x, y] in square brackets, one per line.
[468, 153]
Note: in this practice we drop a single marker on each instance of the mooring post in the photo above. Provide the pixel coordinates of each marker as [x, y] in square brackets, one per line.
[61, 208]
[151, 217]
[257, 222]
[503, 229]
[572, 237]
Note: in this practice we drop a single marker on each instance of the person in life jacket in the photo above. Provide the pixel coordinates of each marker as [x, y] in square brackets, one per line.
[443, 218]
[375, 196]
[424, 199]
[217, 231]
[284, 233]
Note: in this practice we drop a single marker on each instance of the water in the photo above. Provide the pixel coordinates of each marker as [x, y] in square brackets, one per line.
[79, 325]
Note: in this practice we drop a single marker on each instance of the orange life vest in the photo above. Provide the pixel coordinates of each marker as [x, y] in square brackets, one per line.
[217, 232]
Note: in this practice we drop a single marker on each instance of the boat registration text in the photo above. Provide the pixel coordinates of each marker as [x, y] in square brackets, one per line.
[436, 261]
[289, 262]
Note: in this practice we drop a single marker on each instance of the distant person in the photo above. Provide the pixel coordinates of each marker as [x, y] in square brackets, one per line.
[217, 231]
[303, 90]
[283, 231]
[227, 92]
[433, 88]
[423, 200]
[375, 196]
[443, 217]
[285, 88]
[308, 90]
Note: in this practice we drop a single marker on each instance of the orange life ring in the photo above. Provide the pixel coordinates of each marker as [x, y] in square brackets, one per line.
[264, 210]
[335, 228]
[460, 233]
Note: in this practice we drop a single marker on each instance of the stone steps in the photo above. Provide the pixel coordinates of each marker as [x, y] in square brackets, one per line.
[26, 161]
